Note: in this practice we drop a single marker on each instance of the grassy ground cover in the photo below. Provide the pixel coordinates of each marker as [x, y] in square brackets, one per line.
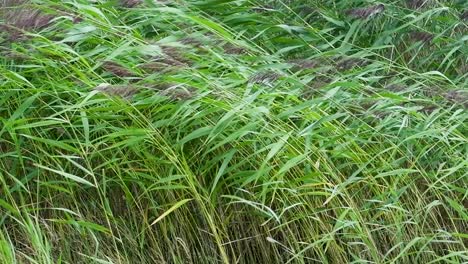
[233, 131]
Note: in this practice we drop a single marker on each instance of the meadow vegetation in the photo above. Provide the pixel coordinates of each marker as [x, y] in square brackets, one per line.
[233, 131]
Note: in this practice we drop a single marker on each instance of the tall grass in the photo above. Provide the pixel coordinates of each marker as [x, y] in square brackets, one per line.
[233, 132]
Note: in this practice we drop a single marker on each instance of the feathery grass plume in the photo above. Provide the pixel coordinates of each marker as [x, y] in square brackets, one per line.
[458, 97]
[421, 36]
[232, 49]
[303, 64]
[124, 91]
[174, 56]
[18, 18]
[130, 3]
[160, 86]
[315, 85]
[349, 63]
[178, 92]
[264, 77]
[171, 58]
[117, 69]
[191, 41]
[154, 66]
[14, 55]
[162, 64]
[11, 3]
[433, 91]
[366, 12]
[429, 108]
[28, 19]
[12, 33]
[464, 15]
[417, 4]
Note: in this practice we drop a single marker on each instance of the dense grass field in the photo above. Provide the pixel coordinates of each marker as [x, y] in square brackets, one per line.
[233, 131]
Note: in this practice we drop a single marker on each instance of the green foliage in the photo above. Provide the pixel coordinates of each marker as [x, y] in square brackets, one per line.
[233, 131]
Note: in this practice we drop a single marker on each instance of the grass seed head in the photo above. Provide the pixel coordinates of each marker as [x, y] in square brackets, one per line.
[190, 41]
[428, 109]
[124, 91]
[12, 33]
[170, 59]
[19, 18]
[347, 64]
[366, 12]
[433, 91]
[421, 36]
[178, 93]
[28, 19]
[265, 77]
[315, 85]
[173, 56]
[458, 97]
[130, 3]
[304, 64]
[117, 69]
[14, 55]
[154, 66]
[232, 49]
[417, 4]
